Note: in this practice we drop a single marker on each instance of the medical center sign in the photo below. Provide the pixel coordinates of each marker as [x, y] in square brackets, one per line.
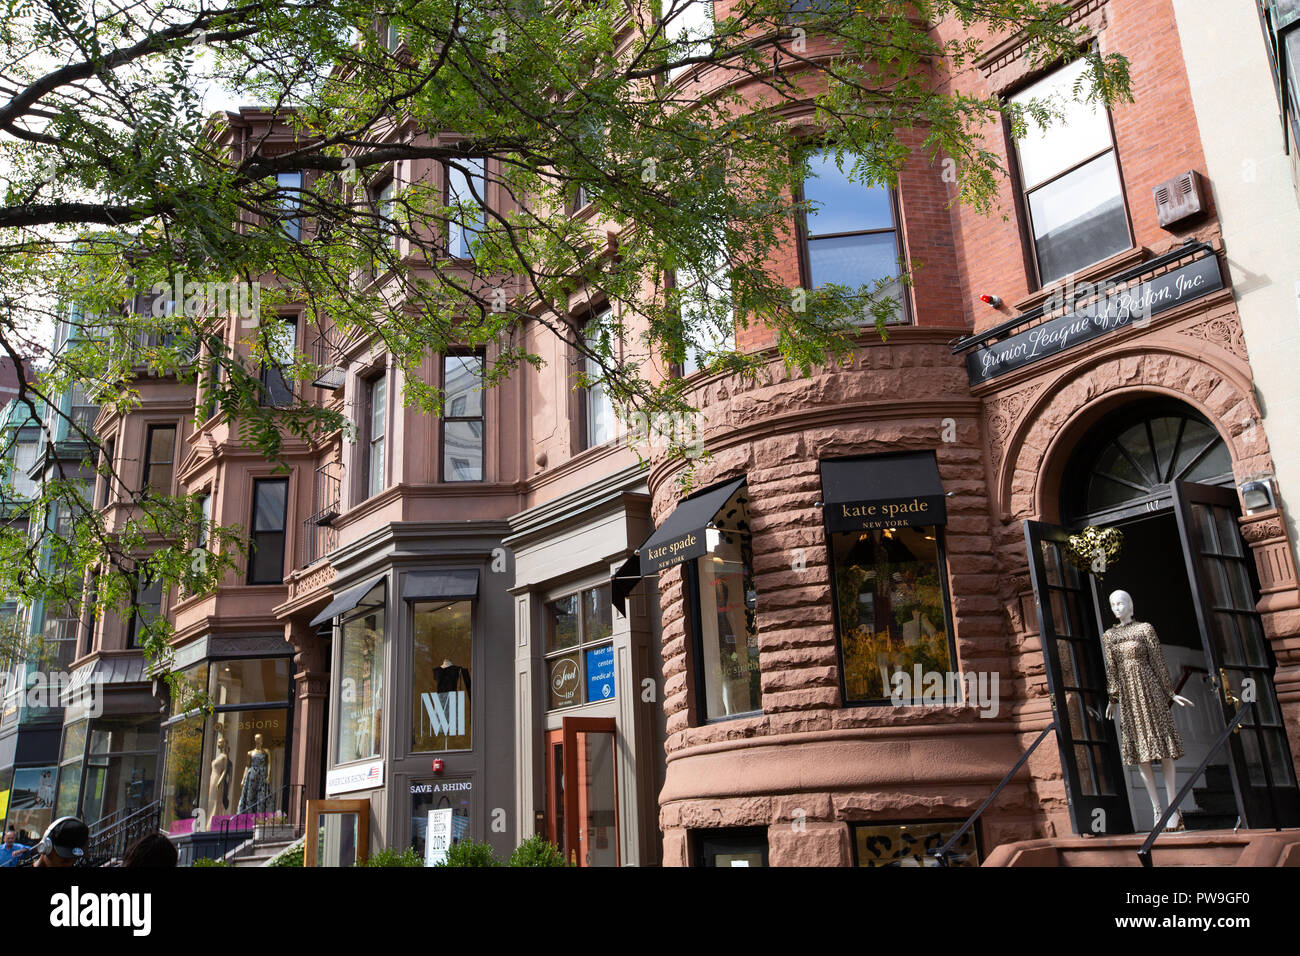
[1108, 313]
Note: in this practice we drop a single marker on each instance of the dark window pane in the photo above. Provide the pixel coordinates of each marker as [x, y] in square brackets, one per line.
[269, 513]
[562, 623]
[268, 558]
[1079, 219]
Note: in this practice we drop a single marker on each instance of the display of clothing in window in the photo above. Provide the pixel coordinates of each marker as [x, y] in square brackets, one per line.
[255, 790]
[449, 678]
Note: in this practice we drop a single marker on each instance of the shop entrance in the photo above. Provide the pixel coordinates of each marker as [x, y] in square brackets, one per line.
[582, 791]
[1162, 476]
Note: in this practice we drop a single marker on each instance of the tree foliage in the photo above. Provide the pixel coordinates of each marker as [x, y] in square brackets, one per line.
[117, 182]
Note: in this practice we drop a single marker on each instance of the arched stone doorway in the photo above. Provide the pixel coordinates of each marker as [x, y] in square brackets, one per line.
[1157, 473]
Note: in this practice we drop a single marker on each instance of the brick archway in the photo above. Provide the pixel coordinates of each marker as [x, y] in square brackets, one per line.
[1049, 426]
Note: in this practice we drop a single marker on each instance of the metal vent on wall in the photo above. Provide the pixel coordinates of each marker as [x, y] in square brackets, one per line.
[1179, 199]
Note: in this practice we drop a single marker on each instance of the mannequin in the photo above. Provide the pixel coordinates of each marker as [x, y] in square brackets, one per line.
[255, 788]
[1138, 681]
[447, 676]
[219, 778]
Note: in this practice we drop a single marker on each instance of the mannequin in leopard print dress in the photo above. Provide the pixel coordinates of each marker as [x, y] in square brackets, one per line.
[1137, 680]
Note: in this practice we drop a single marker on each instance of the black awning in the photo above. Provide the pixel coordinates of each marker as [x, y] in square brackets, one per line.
[681, 536]
[622, 581]
[883, 491]
[346, 601]
[461, 585]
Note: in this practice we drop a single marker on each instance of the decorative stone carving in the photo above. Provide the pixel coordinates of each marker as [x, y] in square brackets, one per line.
[1223, 331]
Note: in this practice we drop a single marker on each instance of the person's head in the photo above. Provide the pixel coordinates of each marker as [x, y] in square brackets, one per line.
[152, 849]
[64, 843]
[10, 836]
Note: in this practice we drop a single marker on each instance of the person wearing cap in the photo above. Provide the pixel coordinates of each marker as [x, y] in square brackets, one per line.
[63, 844]
[11, 847]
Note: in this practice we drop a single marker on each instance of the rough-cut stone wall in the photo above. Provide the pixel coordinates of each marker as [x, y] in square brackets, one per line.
[808, 765]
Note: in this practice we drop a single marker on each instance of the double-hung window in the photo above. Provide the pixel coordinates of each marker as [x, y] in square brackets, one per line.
[289, 200]
[266, 547]
[147, 609]
[376, 416]
[466, 194]
[277, 374]
[690, 29]
[160, 453]
[1069, 177]
[850, 231]
[579, 654]
[597, 409]
[708, 319]
[462, 419]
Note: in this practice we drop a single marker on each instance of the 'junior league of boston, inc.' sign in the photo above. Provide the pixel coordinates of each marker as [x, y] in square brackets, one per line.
[1108, 313]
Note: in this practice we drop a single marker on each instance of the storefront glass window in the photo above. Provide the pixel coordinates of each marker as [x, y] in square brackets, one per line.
[70, 759]
[892, 612]
[361, 687]
[579, 656]
[181, 773]
[120, 767]
[31, 802]
[453, 795]
[250, 681]
[909, 844]
[441, 656]
[254, 757]
[191, 687]
[727, 642]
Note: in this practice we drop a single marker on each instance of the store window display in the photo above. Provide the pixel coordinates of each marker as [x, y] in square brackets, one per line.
[728, 638]
[231, 763]
[442, 653]
[360, 688]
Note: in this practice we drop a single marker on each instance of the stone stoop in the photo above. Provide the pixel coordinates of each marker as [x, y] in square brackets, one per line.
[1189, 848]
[252, 853]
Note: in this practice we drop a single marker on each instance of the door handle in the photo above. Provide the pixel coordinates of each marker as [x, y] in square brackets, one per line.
[1228, 697]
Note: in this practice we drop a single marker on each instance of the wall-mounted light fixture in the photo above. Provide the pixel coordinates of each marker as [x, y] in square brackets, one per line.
[1257, 495]
[993, 300]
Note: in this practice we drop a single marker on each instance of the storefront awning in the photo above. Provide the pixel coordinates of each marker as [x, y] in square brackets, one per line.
[346, 601]
[622, 581]
[681, 536]
[459, 585]
[883, 491]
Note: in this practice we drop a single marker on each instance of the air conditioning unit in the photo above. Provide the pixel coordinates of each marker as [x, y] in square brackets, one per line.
[1180, 199]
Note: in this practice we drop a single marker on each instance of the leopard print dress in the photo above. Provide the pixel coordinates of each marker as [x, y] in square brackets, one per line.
[1138, 681]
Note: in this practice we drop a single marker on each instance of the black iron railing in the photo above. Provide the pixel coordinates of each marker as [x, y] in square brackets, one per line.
[325, 355]
[1144, 854]
[287, 819]
[111, 835]
[943, 852]
[319, 537]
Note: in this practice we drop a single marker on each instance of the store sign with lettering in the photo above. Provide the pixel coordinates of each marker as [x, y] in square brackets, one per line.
[1108, 313]
[362, 776]
[600, 673]
[889, 513]
[673, 552]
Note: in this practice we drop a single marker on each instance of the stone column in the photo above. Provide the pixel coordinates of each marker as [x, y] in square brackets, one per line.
[310, 728]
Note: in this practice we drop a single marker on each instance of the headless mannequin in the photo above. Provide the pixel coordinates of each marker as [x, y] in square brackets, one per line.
[219, 779]
[1121, 605]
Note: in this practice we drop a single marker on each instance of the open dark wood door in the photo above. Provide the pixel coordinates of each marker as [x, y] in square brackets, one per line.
[1076, 680]
[1237, 652]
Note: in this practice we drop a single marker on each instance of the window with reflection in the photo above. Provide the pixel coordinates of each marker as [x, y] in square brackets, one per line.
[598, 425]
[360, 685]
[579, 654]
[462, 417]
[442, 654]
[723, 626]
[850, 234]
[892, 612]
[910, 844]
[1070, 180]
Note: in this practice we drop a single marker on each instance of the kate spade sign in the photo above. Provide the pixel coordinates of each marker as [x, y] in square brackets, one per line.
[672, 552]
[1109, 312]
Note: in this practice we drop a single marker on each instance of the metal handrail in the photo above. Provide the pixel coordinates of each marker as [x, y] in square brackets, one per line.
[109, 838]
[943, 851]
[1144, 854]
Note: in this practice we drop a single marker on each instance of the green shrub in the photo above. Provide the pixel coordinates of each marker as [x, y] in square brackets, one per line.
[390, 857]
[290, 856]
[537, 851]
[209, 861]
[470, 853]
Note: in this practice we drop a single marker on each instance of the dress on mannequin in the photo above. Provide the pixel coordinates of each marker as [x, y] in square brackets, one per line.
[1138, 681]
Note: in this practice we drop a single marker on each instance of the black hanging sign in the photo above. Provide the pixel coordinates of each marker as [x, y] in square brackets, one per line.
[1107, 313]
